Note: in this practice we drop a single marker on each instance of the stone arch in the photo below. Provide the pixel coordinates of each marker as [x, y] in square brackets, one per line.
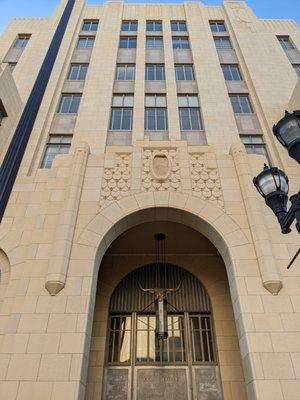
[231, 241]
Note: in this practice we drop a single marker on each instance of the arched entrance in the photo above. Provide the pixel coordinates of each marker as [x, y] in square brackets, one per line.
[193, 253]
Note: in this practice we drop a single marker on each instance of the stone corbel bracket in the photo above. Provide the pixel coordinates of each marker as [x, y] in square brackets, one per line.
[61, 250]
[271, 278]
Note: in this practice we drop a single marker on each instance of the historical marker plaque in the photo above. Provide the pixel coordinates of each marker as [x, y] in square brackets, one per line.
[208, 383]
[162, 384]
[116, 384]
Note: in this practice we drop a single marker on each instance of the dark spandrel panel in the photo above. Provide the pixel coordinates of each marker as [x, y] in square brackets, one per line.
[207, 382]
[162, 383]
[128, 296]
[116, 385]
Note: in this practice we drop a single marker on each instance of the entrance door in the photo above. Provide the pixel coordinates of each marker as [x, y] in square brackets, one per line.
[181, 367]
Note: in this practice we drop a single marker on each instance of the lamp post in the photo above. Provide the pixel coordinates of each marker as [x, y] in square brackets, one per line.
[273, 184]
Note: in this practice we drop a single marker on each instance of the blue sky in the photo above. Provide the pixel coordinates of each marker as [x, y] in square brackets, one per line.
[41, 8]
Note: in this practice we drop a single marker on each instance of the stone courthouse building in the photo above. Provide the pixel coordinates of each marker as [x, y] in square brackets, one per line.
[120, 122]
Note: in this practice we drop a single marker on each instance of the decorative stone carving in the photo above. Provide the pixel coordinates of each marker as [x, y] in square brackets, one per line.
[205, 181]
[161, 170]
[116, 180]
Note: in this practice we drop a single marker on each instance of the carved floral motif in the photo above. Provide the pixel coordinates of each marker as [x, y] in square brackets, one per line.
[205, 181]
[161, 170]
[116, 180]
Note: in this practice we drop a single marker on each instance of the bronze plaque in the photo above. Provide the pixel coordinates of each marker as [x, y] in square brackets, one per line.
[116, 385]
[162, 384]
[208, 383]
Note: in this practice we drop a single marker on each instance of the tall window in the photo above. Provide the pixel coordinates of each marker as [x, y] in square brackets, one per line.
[201, 332]
[184, 72]
[154, 26]
[178, 26]
[3, 112]
[127, 42]
[69, 103]
[180, 42]
[254, 144]
[129, 26]
[125, 72]
[121, 113]
[21, 41]
[231, 72]
[154, 42]
[90, 26]
[57, 144]
[297, 68]
[241, 104]
[85, 42]
[119, 339]
[155, 72]
[222, 43]
[285, 43]
[189, 113]
[77, 72]
[156, 113]
[217, 26]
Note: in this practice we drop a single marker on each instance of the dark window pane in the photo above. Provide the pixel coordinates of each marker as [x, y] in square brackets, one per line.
[130, 70]
[123, 43]
[245, 105]
[161, 119]
[150, 119]
[90, 42]
[235, 73]
[115, 121]
[184, 119]
[226, 72]
[182, 26]
[174, 26]
[176, 43]
[127, 117]
[160, 75]
[74, 104]
[195, 119]
[179, 73]
[235, 104]
[82, 73]
[185, 44]
[132, 43]
[189, 73]
[150, 72]
[121, 73]
[73, 72]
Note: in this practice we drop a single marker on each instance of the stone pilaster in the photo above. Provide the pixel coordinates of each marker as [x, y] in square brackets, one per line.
[61, 249]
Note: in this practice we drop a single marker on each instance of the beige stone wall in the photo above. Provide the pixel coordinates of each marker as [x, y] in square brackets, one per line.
[59, 222]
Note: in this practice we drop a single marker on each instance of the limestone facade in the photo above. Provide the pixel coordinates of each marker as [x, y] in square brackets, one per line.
[64, 228]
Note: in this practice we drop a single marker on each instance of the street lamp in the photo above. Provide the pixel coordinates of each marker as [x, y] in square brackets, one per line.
[287, 131]
[273, 184]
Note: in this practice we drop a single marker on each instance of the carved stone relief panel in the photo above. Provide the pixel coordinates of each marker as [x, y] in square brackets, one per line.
[161, 170]
[205, 180]
[116, 180]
